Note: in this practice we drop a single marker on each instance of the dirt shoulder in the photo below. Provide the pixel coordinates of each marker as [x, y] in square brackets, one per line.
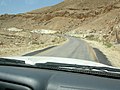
[17, 43]
[112, 53]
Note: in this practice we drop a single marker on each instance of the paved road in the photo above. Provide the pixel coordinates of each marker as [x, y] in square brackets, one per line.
[73, 48]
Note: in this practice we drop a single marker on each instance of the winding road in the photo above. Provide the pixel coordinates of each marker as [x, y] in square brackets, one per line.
[73, 48]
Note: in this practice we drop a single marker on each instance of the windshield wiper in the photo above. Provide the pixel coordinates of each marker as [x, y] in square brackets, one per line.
[102, 71]
[5, 61]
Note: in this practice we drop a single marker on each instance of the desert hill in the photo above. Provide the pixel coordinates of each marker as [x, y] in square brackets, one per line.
[95, 19]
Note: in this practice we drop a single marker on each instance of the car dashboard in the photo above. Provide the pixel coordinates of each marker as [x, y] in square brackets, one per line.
[24, 78]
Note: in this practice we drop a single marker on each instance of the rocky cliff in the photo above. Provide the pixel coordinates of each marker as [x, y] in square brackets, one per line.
[94, 19]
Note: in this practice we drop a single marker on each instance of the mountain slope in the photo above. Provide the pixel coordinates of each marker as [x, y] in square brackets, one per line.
[73, 16]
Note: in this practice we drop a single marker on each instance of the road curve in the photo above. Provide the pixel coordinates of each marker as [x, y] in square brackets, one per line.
[73, 48]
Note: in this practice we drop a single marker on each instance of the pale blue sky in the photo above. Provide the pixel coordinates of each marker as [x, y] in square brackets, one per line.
[21, 6]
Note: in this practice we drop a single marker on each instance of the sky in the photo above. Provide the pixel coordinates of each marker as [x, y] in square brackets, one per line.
[21, 6]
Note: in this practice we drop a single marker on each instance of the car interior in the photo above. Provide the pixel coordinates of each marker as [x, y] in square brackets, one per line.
[24, 78]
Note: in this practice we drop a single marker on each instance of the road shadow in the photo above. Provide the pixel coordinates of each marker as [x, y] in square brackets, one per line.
[101, 57]
[38, 51]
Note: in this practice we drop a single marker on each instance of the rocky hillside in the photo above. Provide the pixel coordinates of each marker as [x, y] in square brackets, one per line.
[94, 19]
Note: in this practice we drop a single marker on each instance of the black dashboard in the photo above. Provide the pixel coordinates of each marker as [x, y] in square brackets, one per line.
[23, 78]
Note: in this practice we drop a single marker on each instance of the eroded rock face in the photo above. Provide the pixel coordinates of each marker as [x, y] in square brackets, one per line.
[69, 15]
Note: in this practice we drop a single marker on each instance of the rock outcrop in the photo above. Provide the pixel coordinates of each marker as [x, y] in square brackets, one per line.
[72, 15]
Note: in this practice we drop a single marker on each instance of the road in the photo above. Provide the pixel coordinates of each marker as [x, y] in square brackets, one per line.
[73, 48]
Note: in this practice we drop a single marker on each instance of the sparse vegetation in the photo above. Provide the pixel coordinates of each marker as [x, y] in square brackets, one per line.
[113, 53]
[53, 40]
[37, 43]
[108, 44]
[42, 43]
[1, 43]
[12, 44]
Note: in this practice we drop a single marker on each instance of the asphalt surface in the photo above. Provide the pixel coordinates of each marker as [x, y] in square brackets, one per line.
[101, 57]
[73, 48]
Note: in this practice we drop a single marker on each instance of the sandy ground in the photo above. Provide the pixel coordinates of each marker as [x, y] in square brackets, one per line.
[112, 53]
[18, 51]
[17, 43]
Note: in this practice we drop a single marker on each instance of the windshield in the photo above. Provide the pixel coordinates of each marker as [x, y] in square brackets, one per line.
[86, 30]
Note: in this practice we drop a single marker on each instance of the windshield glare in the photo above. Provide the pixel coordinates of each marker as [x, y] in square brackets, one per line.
[87, 30]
